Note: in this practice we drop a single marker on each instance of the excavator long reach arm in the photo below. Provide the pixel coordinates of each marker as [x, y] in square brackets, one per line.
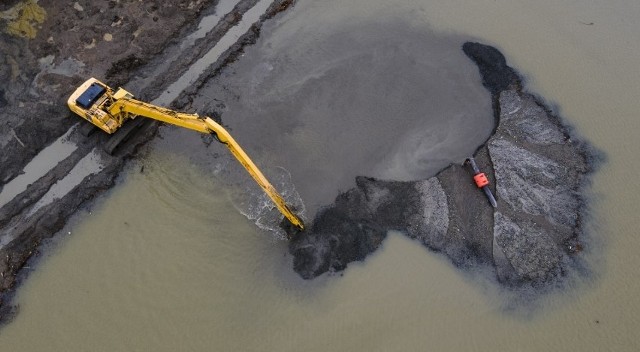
[109, 110]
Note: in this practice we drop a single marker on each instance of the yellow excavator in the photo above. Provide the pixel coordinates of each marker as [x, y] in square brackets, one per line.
[110, 110]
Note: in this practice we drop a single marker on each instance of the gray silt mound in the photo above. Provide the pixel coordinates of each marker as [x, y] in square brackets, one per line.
[538, 172]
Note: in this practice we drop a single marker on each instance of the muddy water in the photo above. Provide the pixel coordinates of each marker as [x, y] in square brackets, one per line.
[383, 99]
[166, 262]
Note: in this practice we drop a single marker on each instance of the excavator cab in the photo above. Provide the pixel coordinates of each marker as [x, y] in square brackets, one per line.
[86, 99]
[91, 101]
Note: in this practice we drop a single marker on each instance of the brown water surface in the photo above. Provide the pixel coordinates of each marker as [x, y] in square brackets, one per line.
[165, 262]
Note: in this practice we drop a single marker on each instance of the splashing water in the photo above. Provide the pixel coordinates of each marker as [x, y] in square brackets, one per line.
[256, 205]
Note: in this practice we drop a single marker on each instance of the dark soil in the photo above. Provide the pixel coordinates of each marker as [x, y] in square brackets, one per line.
[35, 99]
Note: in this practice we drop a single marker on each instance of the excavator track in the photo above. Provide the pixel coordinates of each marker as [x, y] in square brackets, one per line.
[123, 135]
[87, 128]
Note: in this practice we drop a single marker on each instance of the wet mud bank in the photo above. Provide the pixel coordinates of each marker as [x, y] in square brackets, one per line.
[539, 171]
[53, 53]
[120, 41]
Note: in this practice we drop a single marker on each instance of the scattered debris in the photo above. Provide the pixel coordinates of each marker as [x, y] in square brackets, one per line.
[23, 19]
[13, 133]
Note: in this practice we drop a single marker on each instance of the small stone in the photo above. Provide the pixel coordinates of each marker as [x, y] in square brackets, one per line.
[91, 45]
[78, 7]
[108, 37]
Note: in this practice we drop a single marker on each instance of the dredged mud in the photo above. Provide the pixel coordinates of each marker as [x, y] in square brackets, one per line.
[539, 171]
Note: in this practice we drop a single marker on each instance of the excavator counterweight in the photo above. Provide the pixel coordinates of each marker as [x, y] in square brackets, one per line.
[109, 110]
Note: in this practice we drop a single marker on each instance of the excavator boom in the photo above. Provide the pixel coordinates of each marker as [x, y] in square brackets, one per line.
[109, 110]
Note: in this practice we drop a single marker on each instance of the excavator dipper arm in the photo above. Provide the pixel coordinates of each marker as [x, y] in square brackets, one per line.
[131, 107]
[225, 138]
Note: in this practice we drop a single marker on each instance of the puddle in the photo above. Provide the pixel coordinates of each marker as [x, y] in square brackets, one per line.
[208, 22]
[173, 53]
[67, 67]
[87, 166]
[47, 159]
[194, 72]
